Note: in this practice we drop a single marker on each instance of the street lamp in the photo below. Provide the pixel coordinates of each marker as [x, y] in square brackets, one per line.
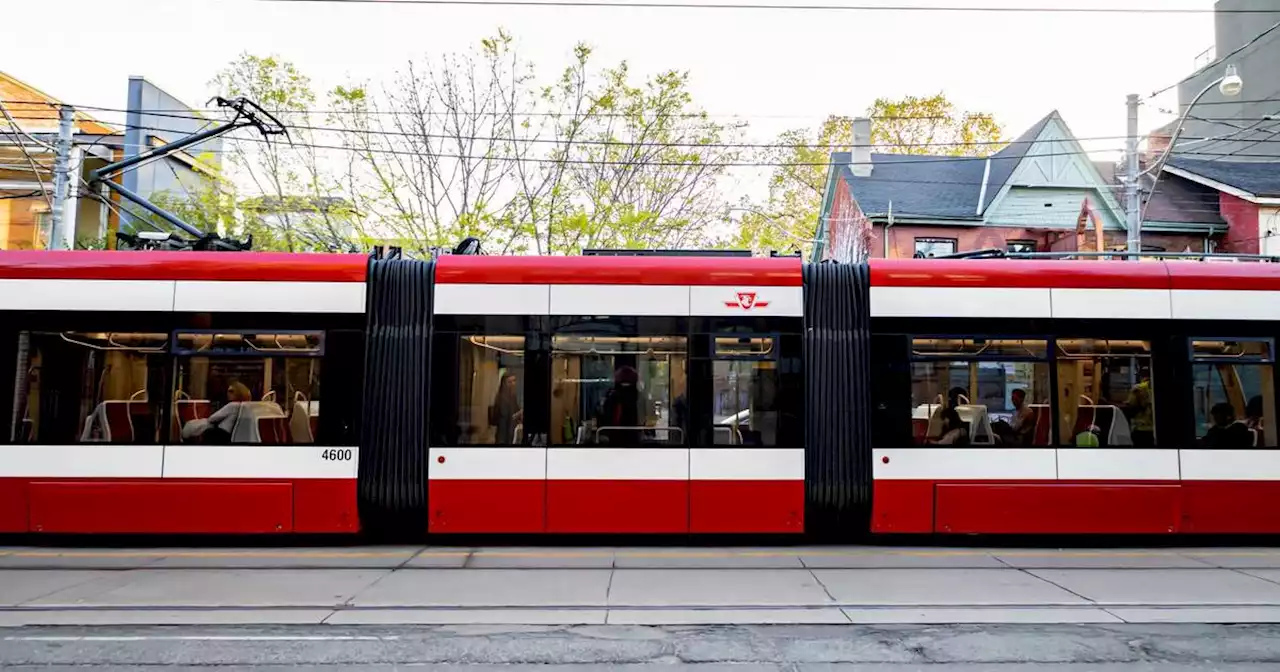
[1229, 85]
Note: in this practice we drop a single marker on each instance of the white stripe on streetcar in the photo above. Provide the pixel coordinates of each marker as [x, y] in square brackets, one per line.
[1039, 464]
[618, 464]
[746, 464]
[468, 299]
[86, 460]
[261, 461]
[94, 295]
[1223, 304]
[985, 302]
[268, 297]
[481, 463]
[1132, 304]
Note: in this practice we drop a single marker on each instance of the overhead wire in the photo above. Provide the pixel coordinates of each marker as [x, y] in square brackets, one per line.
[996, 9]
[690, 144]
[22, 147]
[1222, 59]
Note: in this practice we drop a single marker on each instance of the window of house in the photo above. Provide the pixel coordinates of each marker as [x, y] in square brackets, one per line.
[1105, 396]
[620, 391]
[1020, 246]
[1233, 392]
[980, 392]
[934, 247]
[89, 387]
[236, 387]
[44, 229]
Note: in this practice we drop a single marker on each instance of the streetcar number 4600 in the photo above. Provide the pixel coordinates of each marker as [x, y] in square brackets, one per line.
[336, 455]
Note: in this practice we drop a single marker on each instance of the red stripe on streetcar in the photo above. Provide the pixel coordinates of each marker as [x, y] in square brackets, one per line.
[497, 506]
[1240, 276]
[740, 507]
[173, 506]
[1018, 273]
[618, 507]
[519, 270]
[244, 266]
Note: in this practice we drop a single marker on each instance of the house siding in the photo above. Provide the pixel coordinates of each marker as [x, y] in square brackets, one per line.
[1242, 225]
[902, 237]
[1048, 208]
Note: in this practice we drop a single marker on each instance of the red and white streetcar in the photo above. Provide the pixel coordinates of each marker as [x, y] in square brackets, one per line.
[245, 393]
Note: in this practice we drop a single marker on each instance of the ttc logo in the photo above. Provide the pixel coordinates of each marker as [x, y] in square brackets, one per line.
[746, 301]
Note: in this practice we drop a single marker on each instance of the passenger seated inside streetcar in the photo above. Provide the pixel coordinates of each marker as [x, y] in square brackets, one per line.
[955, 432]
[220, 426]
[1227, 433]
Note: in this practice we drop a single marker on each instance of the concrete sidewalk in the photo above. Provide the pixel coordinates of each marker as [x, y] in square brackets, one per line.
[431, 585]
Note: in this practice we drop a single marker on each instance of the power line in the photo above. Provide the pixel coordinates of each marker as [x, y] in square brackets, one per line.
[1218, 61]
[688, 144]
[633, 4]
[165, 112]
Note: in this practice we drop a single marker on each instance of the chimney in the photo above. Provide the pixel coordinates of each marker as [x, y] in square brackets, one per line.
[861, 147]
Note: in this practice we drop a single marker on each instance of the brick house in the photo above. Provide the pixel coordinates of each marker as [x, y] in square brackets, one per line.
[1026, 197]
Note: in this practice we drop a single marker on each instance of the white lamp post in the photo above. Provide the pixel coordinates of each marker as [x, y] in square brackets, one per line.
[1229, 85]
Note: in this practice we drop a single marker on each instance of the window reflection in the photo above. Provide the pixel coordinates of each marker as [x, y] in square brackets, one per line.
[1105, 395]
[1233, 391]
[82, 387]
[619, 390]
[490, 390]
[966, 393]
[746, 387]
[247, 388]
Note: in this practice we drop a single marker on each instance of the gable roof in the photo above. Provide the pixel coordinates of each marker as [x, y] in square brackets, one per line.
[1005, 161]
[1259, 178]
[960, 188]
[35, 107]
[944, 187]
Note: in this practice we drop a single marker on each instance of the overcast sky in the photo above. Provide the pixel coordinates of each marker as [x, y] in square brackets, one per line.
[775, 69]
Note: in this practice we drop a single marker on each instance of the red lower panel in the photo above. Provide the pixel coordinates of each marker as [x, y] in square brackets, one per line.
[465, 506]
[746, 506]
[618, 507]
[900, 507]
[324, 506]
[13, 505]
[128, 507]
[1238, 507]
[1057, 509]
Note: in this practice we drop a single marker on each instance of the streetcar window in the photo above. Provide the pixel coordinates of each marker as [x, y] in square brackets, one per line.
[622, 391]
[89, 387]
[246, 388]
[489, 380]
[980, 392]
[1105, 394]
[1233, 388]
[751, 404]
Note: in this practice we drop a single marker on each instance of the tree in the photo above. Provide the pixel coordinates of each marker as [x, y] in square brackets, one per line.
[290, 177]
[788, 218]
[476, 144]
[931, 125]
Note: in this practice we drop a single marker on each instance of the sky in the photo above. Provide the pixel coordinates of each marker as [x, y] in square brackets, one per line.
[775, 69]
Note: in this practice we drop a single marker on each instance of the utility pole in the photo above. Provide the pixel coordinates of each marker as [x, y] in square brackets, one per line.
[1132, 205]
[61, 178]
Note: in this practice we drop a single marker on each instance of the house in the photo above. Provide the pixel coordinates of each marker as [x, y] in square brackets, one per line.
[27, 159]
[1027, 197]
[1245, 193]
[302, 223]
[26, 168]
[1225, 155]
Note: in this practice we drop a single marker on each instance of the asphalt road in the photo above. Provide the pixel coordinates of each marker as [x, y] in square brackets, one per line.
[739, 648]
